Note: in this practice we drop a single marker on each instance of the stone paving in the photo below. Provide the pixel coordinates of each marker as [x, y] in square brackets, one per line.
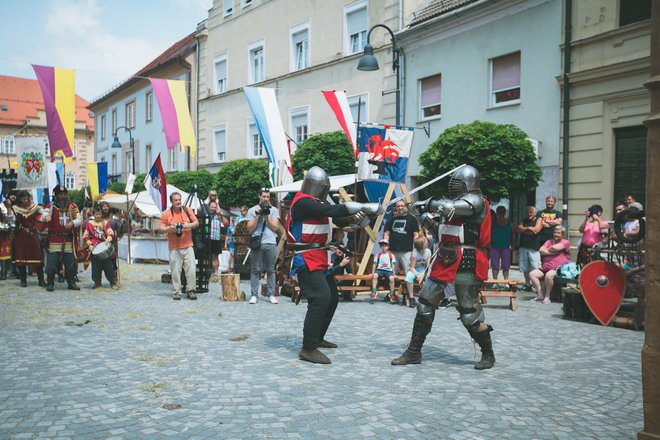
[134, 364]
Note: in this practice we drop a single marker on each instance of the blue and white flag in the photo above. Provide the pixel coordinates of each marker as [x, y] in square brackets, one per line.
[156, 185]
[266, 113]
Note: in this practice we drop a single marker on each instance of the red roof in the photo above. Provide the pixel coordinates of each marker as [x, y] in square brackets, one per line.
[23, 99]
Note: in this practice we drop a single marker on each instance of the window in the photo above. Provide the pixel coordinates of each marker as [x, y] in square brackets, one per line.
[256, 55]
[358, 102]
[356, 27]
[505, 80]
[246, 3]
[102, 125]
[173, 159]
[130, 114]
[114, 121]
[149, 106]
[299, 125]
[147, 157]
[300, 47]
[221, 75]
[429, 97]
[220, 142]
[113, 169]
[254, 141]
[632, 11]
[69, 180]
[129, 162]
[227, 7]
[46, 148]
[8, 145]
[630, 163]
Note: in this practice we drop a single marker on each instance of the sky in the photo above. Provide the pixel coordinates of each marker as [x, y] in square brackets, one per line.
[104, 41]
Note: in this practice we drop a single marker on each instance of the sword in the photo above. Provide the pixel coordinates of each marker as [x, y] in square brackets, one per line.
[393, 201]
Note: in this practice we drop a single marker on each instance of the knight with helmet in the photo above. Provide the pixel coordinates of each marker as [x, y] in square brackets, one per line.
[462, 227]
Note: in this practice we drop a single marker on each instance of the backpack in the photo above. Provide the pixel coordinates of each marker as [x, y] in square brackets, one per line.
[389, 254]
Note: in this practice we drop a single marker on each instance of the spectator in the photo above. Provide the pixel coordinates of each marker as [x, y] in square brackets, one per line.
[500, 244]
[243, 214]
[419, 261]
[631, 199]
[116, 225]
[591, 229]
[99, 231]
[263, 221]
[528, 252]
[178, 223]
[216, 220]
[135, 219]
[550, 218]
[384, 267]
[229, 244]
[554, 253]
[631, 227]
[401, 230]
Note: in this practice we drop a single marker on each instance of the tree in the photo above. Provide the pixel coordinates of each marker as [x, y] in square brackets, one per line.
[239, 181]
[118, 187]
[186, 181]
[331, 151]
[503, 155]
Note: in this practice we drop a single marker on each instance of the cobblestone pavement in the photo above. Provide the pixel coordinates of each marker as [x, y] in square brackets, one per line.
[135, 356]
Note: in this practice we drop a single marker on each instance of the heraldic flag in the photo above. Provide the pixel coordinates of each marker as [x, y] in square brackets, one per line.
[58, 91]
[156, 185]
[32, 170]
[173, 106]
[97, 176]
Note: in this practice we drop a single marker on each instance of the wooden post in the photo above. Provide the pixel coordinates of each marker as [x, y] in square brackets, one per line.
[231, 287]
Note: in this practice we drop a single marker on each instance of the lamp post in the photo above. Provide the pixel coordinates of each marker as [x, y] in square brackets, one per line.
[116, 144]
[369, 62]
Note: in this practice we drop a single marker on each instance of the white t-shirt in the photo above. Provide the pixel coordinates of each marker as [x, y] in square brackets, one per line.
[420, 259]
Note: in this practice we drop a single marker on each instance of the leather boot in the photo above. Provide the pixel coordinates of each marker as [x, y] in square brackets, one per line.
[314, 356]
[50, 282]
[72, 284]
[3, 270]
[22, 273]
[486, 344]
[40, 276]
[413, 354]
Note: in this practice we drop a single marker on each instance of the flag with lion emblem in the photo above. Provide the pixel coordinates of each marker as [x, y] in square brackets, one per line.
[156, 186]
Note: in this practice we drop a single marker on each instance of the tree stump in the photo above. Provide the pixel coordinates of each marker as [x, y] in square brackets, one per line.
[231, 287]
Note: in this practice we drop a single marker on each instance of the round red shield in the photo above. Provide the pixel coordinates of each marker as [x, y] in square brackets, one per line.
[603, 285]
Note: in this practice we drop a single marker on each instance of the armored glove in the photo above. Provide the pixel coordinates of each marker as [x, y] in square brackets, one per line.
[359, 220]
[370, 209]
[431, 205]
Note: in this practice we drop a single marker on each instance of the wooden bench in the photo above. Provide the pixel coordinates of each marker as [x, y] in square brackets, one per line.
[364, 288]
[510, 292]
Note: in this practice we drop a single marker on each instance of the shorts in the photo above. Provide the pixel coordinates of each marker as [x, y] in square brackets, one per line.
[384, 273]
[500, 258]
[216, 247]
[410, 277]
[402, 263]
[528, 260]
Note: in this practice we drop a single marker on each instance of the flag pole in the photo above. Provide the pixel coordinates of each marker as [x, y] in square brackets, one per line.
[130, 229]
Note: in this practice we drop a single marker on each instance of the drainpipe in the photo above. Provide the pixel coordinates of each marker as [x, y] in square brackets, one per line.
[197, 57]
[568, 17]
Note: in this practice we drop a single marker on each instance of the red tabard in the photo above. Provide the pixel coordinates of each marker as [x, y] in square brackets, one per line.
[452, 233]
[312, 230]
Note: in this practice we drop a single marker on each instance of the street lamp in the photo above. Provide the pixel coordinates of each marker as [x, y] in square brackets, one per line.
[116, 144]
[369, 62]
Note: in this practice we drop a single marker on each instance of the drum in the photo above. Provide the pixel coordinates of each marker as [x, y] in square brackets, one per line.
[102, 251]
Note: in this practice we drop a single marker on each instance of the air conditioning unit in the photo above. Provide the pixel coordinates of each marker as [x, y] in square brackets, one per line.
[536, 144]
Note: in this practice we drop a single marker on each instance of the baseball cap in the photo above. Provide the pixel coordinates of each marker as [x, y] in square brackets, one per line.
[384, 241]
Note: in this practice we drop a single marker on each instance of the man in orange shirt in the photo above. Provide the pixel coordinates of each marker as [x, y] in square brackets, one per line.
[178, 223]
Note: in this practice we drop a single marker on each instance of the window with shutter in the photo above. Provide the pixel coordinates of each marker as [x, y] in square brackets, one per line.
[630, 163]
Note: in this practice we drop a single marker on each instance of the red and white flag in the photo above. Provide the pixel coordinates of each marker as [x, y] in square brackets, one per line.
[339, 104]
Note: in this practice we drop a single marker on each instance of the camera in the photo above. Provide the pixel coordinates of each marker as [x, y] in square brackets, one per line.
[264, 209]
[593, 210]
[179, 229]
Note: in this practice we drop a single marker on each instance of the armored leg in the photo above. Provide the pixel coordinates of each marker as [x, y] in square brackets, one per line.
[486, 344]
[472, 317]
[429, 297]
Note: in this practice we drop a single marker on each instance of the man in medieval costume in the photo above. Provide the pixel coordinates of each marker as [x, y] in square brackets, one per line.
[28, 252]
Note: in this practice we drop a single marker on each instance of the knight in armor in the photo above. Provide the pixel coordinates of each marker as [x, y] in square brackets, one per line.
[64, 217]
[309, 231]
[463, 233]
[30, 220]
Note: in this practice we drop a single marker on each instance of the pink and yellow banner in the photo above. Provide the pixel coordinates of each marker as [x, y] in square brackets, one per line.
[173, 105]
[58, 91]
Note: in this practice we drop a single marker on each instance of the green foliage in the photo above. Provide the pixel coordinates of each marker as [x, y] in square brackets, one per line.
[77, 196]
[238, 182]
[503, 155]
[186, 181]
[331, 151]
[118, 187]
[139, 182]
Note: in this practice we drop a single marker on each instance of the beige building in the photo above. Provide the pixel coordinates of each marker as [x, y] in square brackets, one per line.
[298, 47]
[22, 113]
[609, 64]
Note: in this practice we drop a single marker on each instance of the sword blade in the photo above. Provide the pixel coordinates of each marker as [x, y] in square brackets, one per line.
[392, 202]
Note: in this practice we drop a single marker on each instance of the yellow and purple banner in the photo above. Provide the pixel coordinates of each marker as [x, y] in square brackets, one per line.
[97, 176]
[58, 91]
[173, 105]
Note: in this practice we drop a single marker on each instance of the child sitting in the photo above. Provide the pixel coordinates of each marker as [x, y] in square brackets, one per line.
[419, 261]
[384, 267]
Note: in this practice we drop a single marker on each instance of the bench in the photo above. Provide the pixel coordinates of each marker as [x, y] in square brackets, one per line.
[364, 288]
[510, 292]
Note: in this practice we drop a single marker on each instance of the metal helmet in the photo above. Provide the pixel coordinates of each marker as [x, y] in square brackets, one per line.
[316, 183]
[465, 180]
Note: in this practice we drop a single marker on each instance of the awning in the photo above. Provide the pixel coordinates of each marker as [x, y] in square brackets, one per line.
[336, 182]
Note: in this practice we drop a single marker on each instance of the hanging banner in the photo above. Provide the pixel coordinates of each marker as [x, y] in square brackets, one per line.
[32, 169]
[173, 105]
[338, 102]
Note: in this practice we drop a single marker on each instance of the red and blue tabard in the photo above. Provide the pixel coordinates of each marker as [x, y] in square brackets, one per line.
[312, 230]
[452, 233]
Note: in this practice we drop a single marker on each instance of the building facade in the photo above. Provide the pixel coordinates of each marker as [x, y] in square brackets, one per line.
[299, 48]
[22, 113]
[133, 105]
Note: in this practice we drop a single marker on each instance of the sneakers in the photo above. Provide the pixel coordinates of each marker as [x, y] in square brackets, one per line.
[273, 300]
[546, 301]
[114, 286]
[176, 296]
[253, 299]
[537, 299]
[446, 302]
[191, 295]
[393, 299]
[526, 288]
[96, 286]
[374, 294]
[412, 303]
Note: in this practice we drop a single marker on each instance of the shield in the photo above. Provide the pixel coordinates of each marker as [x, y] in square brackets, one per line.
[602, 284]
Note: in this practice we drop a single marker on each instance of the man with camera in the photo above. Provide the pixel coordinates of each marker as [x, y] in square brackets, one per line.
[178, 223]
[262, 224]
